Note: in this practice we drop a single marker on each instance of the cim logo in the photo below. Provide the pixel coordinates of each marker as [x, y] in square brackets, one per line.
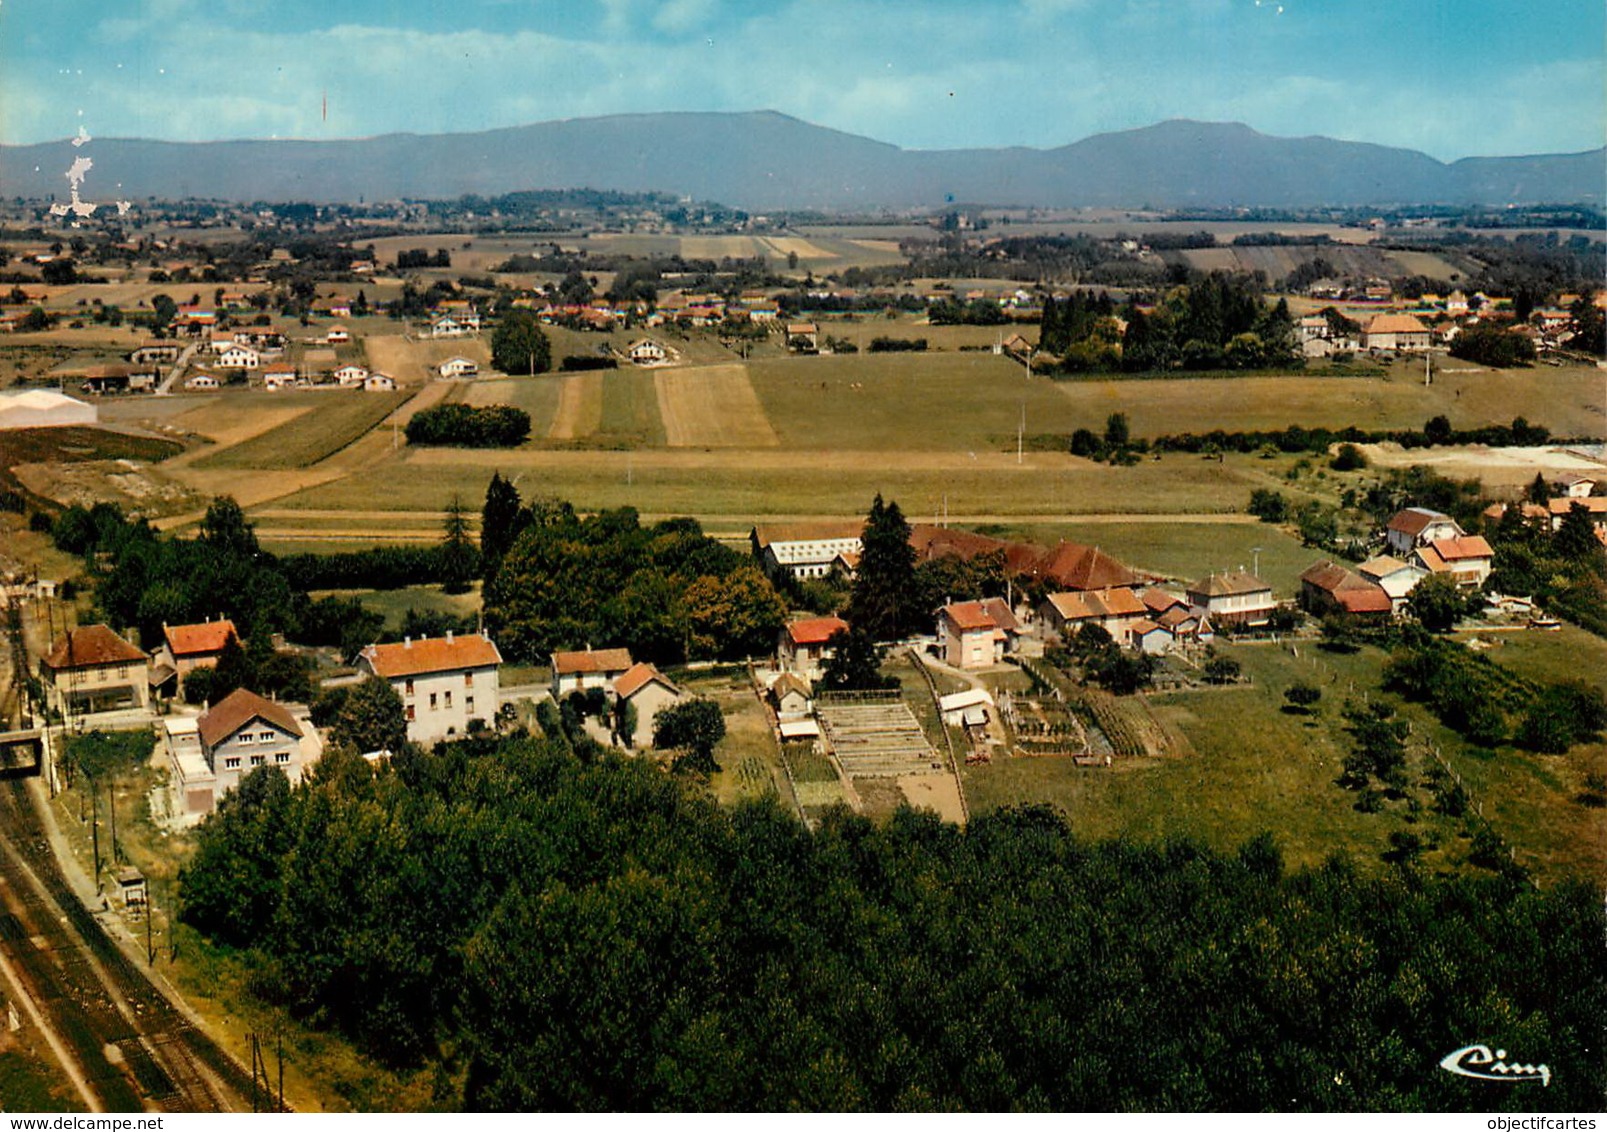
[1482, 1065]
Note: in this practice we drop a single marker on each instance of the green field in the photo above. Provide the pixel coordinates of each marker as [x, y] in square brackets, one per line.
[394, 604]
[746, 485]
[630, 409]
[537, 396]
[1256, 767]
[337, 419]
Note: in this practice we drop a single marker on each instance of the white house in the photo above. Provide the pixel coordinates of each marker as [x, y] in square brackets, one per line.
[236, 356]
[646, 352]
[337, 336]
[1395, 332]
[210, 755]
[1467, 559]
[201, 381]
[1418, 526]
[649, 691]
[279, 375]
[588, 668]
[458, 367]
[970, 708]
[351, 374]
[1238, 597]
[1394, 577]
[379, 383]
[446, 683]
[805, 550]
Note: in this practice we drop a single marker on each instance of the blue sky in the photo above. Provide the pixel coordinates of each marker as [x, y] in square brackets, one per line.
[1451, 79]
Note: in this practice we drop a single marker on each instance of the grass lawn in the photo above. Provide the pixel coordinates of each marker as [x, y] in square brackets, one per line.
[394, 604]
[336, 420]
[630, 408]
[1258, 768]
[750, 484]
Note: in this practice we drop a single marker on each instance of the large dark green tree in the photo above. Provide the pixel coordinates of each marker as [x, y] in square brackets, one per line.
[370, 718]
[459, 559]
[885, 598]
[519, 345]
[499, 523]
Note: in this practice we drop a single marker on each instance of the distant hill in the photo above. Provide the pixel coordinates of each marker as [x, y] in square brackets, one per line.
[764, 161]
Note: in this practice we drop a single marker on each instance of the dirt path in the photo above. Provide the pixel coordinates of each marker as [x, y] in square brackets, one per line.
[712, 406]
[580, 407]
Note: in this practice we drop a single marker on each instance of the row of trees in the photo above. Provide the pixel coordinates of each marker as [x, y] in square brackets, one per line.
[549, 933]
[469, 426]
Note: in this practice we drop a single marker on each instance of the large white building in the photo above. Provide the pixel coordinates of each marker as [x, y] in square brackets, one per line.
[43, 408]
[445, 682]
[805, 550]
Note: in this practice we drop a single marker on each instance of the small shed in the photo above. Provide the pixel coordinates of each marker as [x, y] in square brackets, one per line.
[131, 888]
[970, 708]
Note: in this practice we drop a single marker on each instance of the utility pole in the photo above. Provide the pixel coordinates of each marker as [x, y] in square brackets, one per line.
[94, 825]
[111, 804]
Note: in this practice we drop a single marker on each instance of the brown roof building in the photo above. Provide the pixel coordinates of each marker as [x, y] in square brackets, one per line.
[1328, 587]
[91, 669]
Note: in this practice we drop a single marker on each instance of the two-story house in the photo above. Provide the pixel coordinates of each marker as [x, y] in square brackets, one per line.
[1418, 526]
[209, 755]
[185, 648]
[1235, 598]
[91, 669]
[588, 668]
[976, 634]
[445, 683]
[805, 644]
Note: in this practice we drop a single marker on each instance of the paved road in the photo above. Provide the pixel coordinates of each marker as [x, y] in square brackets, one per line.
[166, 384]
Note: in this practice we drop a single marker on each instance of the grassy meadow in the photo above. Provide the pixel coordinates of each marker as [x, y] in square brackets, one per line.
[1257, 767]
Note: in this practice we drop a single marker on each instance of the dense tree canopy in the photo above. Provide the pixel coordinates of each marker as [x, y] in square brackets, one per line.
[598, 935]
[519, 345]
[666, 592]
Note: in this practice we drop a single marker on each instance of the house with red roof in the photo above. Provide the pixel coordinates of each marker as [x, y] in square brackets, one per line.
[976, 634]
[91, 669]
[1329, 588]
[185, 648]
[446, 683]
[588, 668]
[1468, 559]
[802, 648]
[1413, 527]
[209, 755]
[649, 691]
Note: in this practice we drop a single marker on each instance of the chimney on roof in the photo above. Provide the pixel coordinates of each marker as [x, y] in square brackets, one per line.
[449, 636]
[407, 642]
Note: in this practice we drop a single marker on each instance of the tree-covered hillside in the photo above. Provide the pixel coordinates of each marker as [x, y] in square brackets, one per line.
[600, 935]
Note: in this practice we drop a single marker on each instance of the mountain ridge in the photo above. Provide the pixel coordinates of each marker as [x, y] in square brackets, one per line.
[767, 160]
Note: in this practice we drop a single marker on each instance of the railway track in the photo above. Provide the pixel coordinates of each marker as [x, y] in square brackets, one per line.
[134, 1050]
